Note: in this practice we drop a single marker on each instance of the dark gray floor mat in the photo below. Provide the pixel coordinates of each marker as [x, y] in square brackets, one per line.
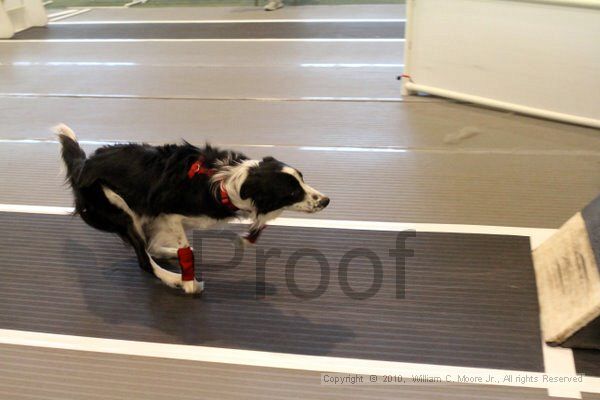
[254, 30]
[470, 300]
[587, 361]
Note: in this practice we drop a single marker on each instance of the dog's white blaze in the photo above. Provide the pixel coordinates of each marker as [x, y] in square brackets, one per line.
[233, 177]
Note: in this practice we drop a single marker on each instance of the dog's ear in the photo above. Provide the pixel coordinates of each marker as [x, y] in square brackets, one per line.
[268, 159]
[249, 188]
[256, 188]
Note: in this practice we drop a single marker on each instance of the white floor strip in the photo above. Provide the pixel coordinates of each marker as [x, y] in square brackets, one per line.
[134, 2]
[36, 209]
[351, 65]
[288, 361]
[76, 12]
[560, 361]
[178, 97]
[112, 64]
[315, 40]
[234, 21]
[537, 235]
[349, 149]
[345, 149]
[56, 14]
[377, 99]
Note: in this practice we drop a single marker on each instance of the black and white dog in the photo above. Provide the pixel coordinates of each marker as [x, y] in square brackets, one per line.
[150, 196]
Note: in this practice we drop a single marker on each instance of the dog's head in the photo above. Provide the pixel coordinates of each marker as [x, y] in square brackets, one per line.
[271, 185]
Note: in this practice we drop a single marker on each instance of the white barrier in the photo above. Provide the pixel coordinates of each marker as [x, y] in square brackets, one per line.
[537, 57]
[18, 15]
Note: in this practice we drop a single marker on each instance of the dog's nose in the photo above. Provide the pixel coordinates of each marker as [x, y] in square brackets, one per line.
[324, 202]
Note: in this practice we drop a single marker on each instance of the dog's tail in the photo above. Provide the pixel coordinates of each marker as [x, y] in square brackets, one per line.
[72, 154]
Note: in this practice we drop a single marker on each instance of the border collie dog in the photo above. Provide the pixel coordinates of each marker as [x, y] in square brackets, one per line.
[150, 195]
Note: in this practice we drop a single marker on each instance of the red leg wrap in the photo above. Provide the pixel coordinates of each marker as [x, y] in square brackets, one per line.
[186, 262]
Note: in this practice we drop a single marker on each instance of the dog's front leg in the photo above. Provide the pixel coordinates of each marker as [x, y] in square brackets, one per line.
[185, 255]
[252, 235]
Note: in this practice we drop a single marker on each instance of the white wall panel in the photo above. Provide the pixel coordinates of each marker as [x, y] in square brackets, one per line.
[536, 57]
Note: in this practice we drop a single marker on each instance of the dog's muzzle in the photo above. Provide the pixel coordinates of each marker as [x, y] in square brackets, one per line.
[318, 204]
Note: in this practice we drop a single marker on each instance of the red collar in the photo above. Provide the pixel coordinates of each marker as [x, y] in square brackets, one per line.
[198, 168]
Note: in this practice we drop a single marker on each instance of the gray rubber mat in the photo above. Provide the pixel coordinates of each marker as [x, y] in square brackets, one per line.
[587, 361]
[282, 30]
[131, 54]
[479, 189]
[62, 374]
[225, 82]
[411, 126]
[465, 300]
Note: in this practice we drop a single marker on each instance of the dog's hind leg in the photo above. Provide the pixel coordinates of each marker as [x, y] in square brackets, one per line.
[133, 234]
[120, 203]
[162, 251]
[146, 262]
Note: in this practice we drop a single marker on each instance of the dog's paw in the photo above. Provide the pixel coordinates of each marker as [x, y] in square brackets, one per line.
[193, 287]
